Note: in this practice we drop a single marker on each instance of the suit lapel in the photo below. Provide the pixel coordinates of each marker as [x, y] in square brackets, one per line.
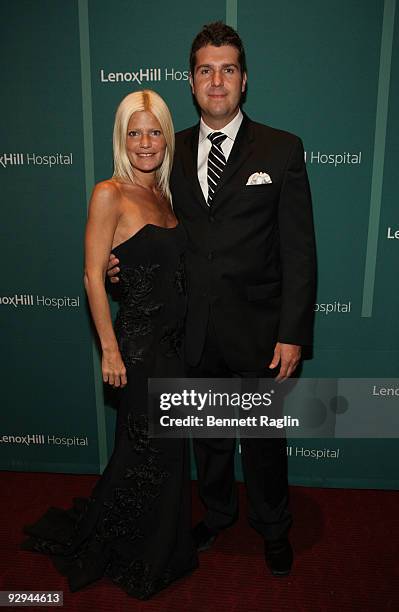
[190, 163]
[240, 152]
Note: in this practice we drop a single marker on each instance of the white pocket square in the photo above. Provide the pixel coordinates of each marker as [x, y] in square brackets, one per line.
[259, 178]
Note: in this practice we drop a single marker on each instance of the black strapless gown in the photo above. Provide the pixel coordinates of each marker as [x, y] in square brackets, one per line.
[135, 527]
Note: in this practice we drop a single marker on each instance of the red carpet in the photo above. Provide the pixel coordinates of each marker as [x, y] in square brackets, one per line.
[346, 546]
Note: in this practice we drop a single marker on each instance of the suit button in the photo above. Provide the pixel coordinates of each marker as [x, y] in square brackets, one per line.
[210, 255]
[211, 218]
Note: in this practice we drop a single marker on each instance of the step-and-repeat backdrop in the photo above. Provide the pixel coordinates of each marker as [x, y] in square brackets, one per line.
[328, 72]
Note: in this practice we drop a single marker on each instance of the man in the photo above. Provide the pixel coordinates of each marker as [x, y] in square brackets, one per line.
[241, 191]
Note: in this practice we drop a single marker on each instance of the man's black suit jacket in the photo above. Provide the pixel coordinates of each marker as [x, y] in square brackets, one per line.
[251, 256]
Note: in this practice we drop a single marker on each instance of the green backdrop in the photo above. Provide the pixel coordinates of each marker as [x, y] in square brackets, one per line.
[326, 71]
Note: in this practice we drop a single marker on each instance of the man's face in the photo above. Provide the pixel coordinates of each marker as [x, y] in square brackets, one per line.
[217, 84]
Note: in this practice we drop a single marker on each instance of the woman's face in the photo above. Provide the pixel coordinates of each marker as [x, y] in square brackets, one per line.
[145, 142]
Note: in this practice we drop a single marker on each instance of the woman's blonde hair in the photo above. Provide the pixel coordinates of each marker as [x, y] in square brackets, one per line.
[146, 100]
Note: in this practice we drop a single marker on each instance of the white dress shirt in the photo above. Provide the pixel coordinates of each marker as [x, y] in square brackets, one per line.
[204, 146]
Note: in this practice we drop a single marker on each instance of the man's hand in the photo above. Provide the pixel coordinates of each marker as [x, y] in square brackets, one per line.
[288, 356]
[112, 269]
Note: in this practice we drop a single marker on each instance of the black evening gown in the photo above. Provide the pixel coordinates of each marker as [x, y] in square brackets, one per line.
[135, 527]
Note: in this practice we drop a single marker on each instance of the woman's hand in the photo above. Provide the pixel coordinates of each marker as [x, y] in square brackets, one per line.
[113, 368]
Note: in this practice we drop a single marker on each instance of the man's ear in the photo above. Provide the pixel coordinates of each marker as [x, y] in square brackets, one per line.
[244, 82]
[191, 81]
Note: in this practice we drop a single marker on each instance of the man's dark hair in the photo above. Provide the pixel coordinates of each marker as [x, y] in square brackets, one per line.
[218, 34]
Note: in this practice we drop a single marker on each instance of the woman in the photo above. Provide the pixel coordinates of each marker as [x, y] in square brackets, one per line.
[135, 528]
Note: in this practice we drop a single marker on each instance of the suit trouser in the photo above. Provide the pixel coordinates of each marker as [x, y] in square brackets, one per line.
[264, 463]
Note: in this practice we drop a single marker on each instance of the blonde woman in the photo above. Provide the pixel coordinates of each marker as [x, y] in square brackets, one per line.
[135, 527]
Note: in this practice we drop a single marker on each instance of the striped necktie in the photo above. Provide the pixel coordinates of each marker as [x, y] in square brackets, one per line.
[216, 162]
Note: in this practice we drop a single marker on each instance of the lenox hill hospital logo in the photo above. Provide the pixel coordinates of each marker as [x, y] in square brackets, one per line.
[140, 76]
[26, 300]
[43, 439]
[35, 159]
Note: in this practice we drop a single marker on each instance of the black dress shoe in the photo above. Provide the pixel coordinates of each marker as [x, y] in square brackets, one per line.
[279, 556]
[203, 536]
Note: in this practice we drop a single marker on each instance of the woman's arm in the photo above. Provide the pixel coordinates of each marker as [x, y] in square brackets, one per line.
[100, 229]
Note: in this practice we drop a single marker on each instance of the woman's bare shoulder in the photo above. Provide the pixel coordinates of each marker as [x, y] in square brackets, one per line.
[107, 191]
[105, 203]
